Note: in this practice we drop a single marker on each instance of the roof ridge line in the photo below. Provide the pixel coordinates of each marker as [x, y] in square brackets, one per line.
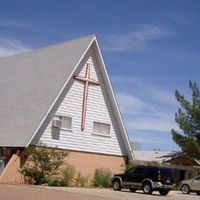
[48, 47]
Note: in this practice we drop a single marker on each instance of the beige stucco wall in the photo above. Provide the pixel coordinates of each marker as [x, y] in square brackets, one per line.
[11, 172]
[86, 163]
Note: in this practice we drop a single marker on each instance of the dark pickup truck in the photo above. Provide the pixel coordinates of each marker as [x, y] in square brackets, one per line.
[147, 178]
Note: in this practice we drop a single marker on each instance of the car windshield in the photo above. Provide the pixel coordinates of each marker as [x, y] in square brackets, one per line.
[130, 170]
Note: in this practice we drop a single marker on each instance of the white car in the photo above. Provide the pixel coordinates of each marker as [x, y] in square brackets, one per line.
[190, 185]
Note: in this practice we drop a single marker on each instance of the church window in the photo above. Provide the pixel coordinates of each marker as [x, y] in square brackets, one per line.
[62, 122]
[101, 128]
[66, 122]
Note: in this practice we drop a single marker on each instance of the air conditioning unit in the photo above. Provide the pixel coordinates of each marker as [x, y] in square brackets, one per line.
[56, 123]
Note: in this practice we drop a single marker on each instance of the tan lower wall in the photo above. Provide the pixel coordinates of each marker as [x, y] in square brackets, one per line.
[11, 172]
[86, 163]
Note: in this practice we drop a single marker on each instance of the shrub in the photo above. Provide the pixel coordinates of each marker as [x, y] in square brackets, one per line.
[67, 174]
[102, 178]
[53, 181]
[56, 181]
[42, 163]
[81, 180]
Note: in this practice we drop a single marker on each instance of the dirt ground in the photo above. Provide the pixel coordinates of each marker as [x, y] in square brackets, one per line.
[23, 192]
[26, 192]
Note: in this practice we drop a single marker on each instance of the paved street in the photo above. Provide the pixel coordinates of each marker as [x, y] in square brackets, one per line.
[126, 195]
[23, 192]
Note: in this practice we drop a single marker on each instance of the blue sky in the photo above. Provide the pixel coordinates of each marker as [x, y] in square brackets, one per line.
[150, 49]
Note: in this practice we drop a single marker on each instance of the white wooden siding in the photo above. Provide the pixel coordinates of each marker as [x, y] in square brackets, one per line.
[98, 109]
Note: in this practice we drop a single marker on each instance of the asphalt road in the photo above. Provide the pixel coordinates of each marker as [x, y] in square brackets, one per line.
[24, 192]
[109, 194]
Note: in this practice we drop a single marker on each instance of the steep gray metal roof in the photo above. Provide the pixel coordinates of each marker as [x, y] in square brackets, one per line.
[29, 84]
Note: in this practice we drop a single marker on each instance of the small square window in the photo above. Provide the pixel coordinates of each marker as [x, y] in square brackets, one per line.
[101, 128]
[66, 122]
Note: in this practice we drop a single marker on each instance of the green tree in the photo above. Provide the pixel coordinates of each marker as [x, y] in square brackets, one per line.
[42, 163]
[188, 119]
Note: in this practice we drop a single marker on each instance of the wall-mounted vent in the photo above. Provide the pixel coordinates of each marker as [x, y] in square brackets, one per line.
[57, 123]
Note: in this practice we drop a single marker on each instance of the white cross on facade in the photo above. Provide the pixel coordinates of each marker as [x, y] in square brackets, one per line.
[86, 80]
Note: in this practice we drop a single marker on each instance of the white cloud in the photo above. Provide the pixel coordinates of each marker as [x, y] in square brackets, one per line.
[148, 138]
[177, 17]
[143, 115]
[145, 106]
[136, 39]
[151, 124]
[129, 103]
[6, 23]
[125, 79]
[10, 47]
[162, 95]
[151, 90]
[26, 25]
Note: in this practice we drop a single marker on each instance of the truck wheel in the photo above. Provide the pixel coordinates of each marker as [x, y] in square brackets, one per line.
[147, 188]
[185, 189]
[163, 192]
[117, 185]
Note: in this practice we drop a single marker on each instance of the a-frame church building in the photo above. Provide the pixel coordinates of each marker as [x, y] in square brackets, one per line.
[61, 96]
